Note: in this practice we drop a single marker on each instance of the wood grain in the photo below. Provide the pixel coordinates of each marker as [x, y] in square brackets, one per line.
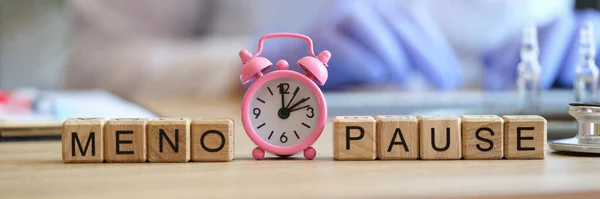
[82, 140]
[212, 140]
[482, 137]
[524, 136]
[125, 140]
[354, 138]
[397, 137]
[168, 140]
[440, 137]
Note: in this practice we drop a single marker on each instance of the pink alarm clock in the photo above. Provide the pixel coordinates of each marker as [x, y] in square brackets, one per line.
[284, 112]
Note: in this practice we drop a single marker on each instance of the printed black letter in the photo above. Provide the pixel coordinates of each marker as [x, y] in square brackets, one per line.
[348, 138]
[484, 139]
[519, 138]
[447, 140]
[401, 142]
[215, 149]
[162, 134]
[119, 142]
[75, 140]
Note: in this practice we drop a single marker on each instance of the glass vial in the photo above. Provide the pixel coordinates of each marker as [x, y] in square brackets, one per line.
[586, 72]
[529, 72]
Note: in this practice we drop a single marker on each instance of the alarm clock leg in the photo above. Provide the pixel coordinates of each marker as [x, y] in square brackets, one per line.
[310, 153]
[258, 153]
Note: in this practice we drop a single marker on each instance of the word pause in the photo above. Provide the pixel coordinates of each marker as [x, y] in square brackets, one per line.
[470, 137]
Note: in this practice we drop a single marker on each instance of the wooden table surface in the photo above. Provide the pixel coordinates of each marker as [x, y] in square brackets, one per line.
[34, 169]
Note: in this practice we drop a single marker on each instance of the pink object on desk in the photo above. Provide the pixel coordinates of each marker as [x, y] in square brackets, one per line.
[284, 112]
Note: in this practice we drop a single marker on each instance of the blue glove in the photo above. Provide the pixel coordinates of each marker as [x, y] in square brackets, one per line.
[559, 53]
[376, 42]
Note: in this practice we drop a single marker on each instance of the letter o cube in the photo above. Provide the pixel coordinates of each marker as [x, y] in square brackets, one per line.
[212, 140]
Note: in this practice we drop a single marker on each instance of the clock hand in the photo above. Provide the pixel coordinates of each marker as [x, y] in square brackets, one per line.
[298, 103]
[299, 108]
[282, 100]
[293, 96]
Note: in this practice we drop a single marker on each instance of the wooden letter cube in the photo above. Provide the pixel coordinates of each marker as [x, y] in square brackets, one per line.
[524, 136]
[397, 137]
[125, 140]
[82, 140]
[440, 137]
[482, 137]
[212, 140]
[168, 140]
[354, 138]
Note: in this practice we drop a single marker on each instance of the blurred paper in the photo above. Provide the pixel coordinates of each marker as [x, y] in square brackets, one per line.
[50, 109]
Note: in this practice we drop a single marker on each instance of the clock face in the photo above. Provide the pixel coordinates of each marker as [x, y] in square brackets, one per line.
[284, 112]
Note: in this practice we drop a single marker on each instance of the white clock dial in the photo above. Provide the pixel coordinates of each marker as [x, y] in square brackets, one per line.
[284, 112]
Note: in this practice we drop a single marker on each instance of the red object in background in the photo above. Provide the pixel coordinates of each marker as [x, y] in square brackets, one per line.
[15, 103]
[4, 96]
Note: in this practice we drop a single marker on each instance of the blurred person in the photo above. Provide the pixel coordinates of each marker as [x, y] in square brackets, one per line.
[173, 48]
[440, 44]
[166, 48]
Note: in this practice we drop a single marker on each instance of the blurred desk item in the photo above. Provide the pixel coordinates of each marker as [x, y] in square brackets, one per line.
[41, 113]
[35, 170]
[553, 107]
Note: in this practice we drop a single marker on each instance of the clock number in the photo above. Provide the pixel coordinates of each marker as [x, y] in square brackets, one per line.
[256, 112]
[283, 138]
[312, 112]
[283, 88]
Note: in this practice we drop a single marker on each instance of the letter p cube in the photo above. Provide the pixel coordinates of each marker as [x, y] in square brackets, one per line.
[354, 138]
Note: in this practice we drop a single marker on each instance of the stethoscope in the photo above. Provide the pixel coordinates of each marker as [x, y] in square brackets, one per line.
[588, 135]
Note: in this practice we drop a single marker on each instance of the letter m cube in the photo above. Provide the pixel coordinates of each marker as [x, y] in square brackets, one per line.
[82, 140]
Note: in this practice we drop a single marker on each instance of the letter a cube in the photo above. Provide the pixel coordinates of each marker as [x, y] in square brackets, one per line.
[397, 137]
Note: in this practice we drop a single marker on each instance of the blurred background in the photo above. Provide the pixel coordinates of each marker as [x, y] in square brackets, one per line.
[84, 44]
[389, 56]
[96, 44]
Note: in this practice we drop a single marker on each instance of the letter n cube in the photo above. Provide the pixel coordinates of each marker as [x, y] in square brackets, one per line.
[168, 140]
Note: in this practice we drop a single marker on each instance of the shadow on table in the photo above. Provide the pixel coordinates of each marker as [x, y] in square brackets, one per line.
[29, 139]
[575, 154]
